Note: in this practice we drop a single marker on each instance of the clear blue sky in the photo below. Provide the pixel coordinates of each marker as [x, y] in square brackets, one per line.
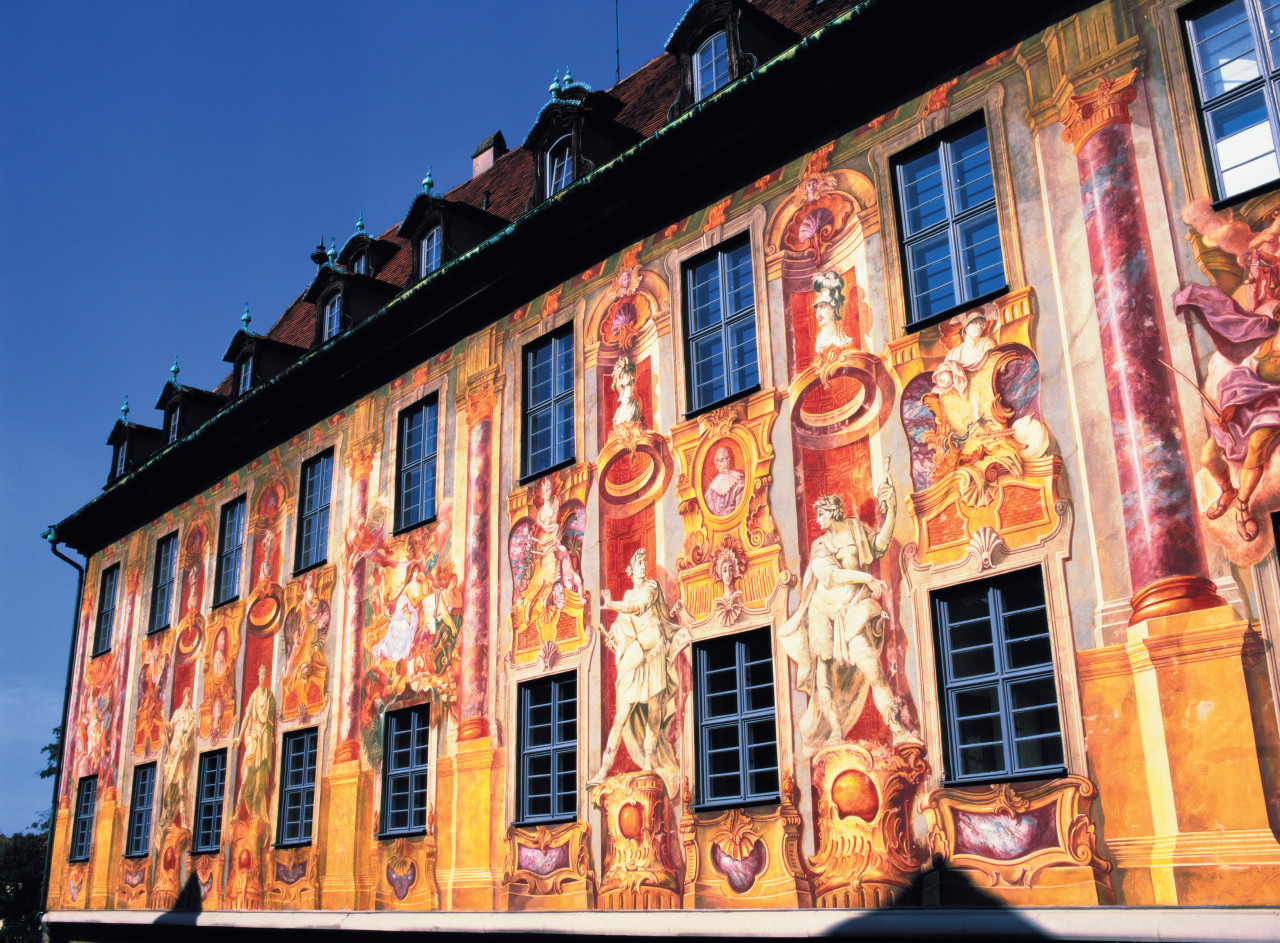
[163, 163]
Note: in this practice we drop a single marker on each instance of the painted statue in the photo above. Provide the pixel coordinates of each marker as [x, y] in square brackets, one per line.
[724, 491]
[828, 308]
[149, 723]
[645, 641]
[628, 414]
[306, 633]
[218, 706]
[177, 758]
[836, 634]
[257, 748]
[1242, 386]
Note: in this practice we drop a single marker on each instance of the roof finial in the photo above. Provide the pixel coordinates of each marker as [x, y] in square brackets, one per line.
[360, 223]
[333, 250]
[244, 318]
[173, 371]
[568, 79]
[427, 182]
[555, 85]
[124, 410]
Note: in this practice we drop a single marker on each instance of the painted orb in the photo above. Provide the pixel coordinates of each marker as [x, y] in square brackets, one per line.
[631, 821]
[170, 859]
[855, 794]
[245, 859]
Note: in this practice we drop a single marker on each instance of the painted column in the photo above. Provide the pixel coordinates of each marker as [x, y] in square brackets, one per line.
[360, 541]
[481, 397]
[1166, 549]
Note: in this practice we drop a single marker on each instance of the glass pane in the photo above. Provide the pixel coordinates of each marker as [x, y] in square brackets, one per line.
[540, 375]
[931, 278]
[564, 364]
[979, 730]
[564, 430]
[742, 355]
[704, 296]
[970, 634]
[1243, 143]
[971, 170]
[979, 760]
[712, 63]
[981, 261]
[1224, 44]
[974, 663]
[976, 702]
[1044, 751]
[923, 197]
[741, 293]
[722, 705]
[708, 370]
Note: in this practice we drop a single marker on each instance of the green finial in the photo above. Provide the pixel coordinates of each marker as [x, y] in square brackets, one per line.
[173, 371]
[360, 223]
[124, 410]
[244, 318]
[555, 85]
[427, 182]
[333, 250]
[568, 79]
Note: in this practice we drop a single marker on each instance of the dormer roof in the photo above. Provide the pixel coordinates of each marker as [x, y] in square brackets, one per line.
[187, 393]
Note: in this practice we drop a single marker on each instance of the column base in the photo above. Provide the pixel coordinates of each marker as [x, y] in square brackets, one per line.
[1173, 595]
[346, 801]
[469, 798]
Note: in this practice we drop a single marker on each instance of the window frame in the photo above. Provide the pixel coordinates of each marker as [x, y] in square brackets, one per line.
[727, 320]
[557, 749]
[419, 716]
[137, 835]
[528, 409]
[171, 424]
[360, 263]
[81, 845]
[321, 512]
[305, 791]
[430, 402]
[331, 316]
[228, 590]
[1267, 82]
[121, 459]
[560, 147]
[211, 790]
[431, 250]
[940, 143]
[163, 579]
[104, 624]
[244, 374]
[999, 677]
[703, 723]
[699, 93]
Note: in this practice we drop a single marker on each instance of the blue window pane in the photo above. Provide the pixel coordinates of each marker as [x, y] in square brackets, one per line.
[1243, 143]
[971, 166]
[547, 787]
[711, 63]
[923, 197]
[548, 406]
[1224, 46]
[742, 355]
[704, 311]
[929, 269]
[981, 260]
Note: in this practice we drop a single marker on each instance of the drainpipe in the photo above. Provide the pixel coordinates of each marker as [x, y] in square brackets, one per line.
[52, 536]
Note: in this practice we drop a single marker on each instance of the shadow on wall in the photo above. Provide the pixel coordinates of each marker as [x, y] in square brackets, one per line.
[958, 909]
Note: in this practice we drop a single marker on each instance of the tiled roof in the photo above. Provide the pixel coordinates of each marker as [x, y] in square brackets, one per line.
[645, 97]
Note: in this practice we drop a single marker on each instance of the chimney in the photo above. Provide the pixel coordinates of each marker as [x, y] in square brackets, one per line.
[490, 149]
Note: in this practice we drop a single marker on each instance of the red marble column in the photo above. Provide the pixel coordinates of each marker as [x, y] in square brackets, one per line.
[481, 400]
[1165, 546]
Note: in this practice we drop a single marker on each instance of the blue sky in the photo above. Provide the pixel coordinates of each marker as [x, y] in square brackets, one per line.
[164, 163]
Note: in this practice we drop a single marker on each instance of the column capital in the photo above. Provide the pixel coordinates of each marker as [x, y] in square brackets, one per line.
[359, 456]
[480, 395]
[1107, 104]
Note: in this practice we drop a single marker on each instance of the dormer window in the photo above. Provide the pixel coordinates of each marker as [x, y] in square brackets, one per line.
[559, 165]
[332, 320]
[430, 252]
[120, 459]
[244, 374]
[171, 425]
[711, 66]
[360, 264]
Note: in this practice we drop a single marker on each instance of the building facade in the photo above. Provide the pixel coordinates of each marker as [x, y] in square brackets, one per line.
[804, 477]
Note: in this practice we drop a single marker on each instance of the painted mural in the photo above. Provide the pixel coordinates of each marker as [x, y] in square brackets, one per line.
[876, 466]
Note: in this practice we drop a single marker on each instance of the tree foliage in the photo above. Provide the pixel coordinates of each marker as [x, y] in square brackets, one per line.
[21, 875]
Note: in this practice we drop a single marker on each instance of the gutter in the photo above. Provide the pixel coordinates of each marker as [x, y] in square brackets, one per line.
[51, 535]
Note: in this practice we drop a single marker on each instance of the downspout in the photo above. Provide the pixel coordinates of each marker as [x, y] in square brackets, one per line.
[52, 536]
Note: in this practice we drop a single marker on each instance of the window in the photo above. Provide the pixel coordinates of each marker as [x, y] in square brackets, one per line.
[737, 737]
[560, 165]
[297, 786]
[106, 610]
[173, 424]
[360, 264]
[138, 835]
[332, 317]
[720, 326]
[209, 791]
[999, 697]
[244, 375]
[82, 832]
[548, 783]
[1235, 51]
[711, 66]
[121, 452]
[230, 548]
[313, 511]
[947, 210]
[404, 772]
[548, 401]
[162, 585]
[416, 465]
[430, 252]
